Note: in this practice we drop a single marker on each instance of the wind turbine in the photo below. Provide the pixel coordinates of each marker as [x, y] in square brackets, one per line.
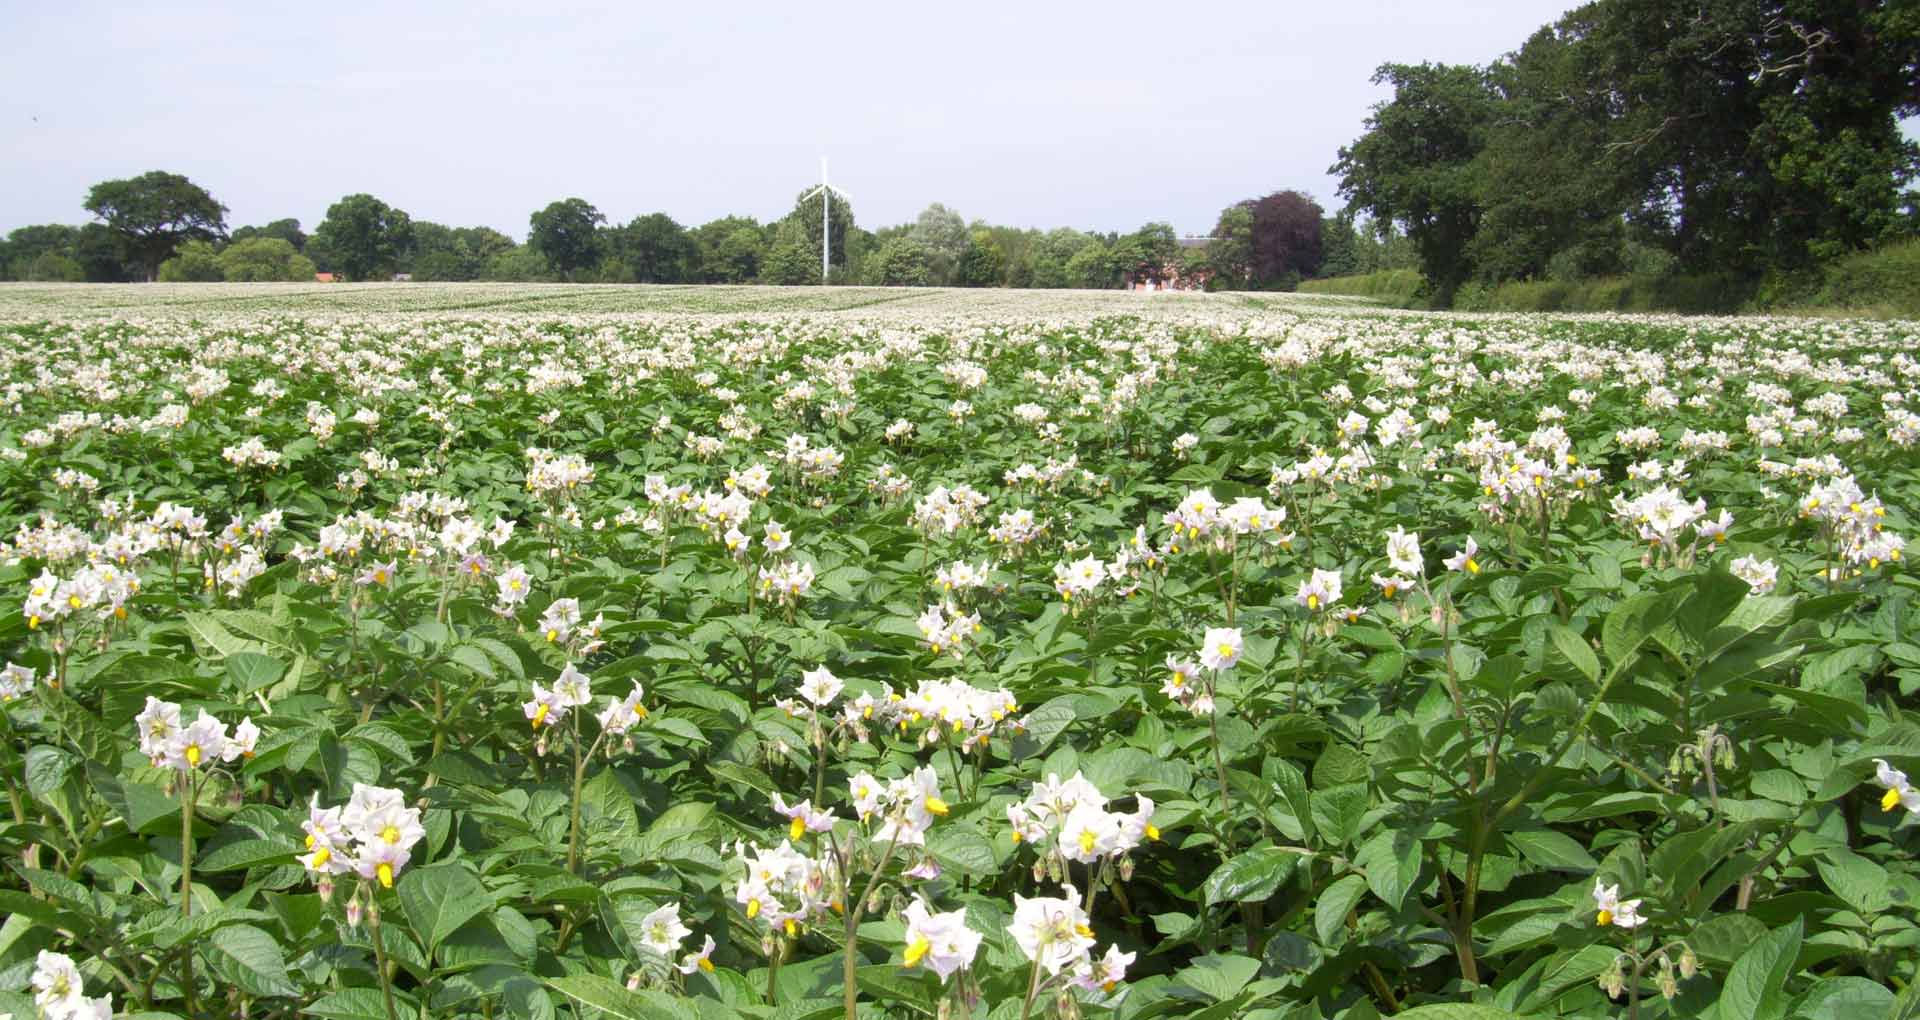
[826, 192]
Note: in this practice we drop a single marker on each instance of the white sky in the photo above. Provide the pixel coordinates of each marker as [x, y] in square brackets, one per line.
[1099, 115]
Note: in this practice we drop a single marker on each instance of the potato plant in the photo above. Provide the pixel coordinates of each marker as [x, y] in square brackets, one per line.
[1209, 660]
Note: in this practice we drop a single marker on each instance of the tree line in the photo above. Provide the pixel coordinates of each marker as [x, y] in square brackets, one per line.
[163, 226]
[1748, 139]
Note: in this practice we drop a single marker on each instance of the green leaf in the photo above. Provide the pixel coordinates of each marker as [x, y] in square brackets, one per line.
[47, 769]
[1844, 998]
[1550, 849]
[1331, 909]
[1219, 977]
[441, 898]
[1862, 883]
[250, 958]
[1392, 862]
[1629, 625]
[1337, 812]
[1250, 875]
[251, 671]
[1576, 650]
[595, 997]
[962, 847]
[348, 1004]
[245, 853]
[1756, 986]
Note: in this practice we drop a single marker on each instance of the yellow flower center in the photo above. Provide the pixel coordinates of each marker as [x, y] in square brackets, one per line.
[391, 834]
[753, 908]
[540, 716]
[193, 754]
[1313, 602]
[936, 806]
[917, 950]
[1891, 800]
[797, 829]
[1605, 918]
[385, 873]
[1087, 840]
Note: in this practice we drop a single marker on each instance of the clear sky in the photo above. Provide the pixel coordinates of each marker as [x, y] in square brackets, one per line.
[1099, 115]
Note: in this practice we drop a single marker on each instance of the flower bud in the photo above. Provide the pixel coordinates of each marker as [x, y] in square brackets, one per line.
[353, 913]
[1689, 963]
[325, 888]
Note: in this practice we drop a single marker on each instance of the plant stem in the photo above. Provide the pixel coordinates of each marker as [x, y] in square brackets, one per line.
[1033, 989]
[380, 960]
[186, 881]
[855, 909]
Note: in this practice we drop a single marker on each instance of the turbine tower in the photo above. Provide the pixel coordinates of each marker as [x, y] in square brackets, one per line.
[826, 192]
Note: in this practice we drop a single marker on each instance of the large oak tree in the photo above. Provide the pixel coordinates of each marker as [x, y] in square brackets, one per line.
[154, 213]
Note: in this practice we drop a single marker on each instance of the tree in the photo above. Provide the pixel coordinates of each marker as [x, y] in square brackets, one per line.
[943, 234]
[1053, 252]
[566, 233]
[804, 224]
[1756, 134]
[99, 254]
[25, 245]
[790, 262]
[264, 259]
[363, 237]
[287, 230]
[727, 250]
[1286, 241]
[655, 249]
[194, 262]
[520, 264]
[981, 263]
[900, 262]
[1092, 266]
[154, 213]
[53, 267]
[1417, 164]
[1230, 253]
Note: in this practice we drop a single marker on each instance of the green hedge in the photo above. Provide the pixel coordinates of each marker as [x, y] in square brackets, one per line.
[1401, 287]
[1883, 283]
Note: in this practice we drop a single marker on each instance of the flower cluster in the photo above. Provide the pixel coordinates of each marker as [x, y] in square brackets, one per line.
[372, 836]
[169, 744]
[1069, 819]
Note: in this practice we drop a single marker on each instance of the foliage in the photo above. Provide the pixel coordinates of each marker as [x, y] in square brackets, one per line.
[567, 234]
[802, 227]
[790, 261]
[287, 230]
[1449, 667]
[1416, 165]
[900, 262]
[154, 213]
[194, 262]
[1752, 138]
[654, 249]
[942, 234]
[362, 238]
[264, 258]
